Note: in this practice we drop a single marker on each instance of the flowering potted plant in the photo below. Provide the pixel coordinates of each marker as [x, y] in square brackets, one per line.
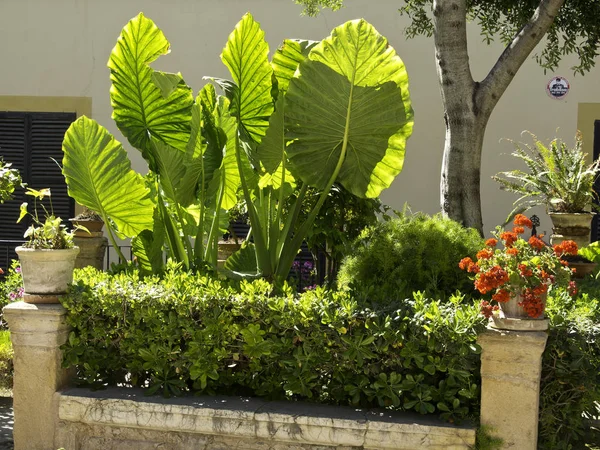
[48, 256]
[519, 275]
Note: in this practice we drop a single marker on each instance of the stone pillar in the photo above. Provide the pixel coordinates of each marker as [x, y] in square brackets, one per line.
[92, 250]
[511, 368]
[37, 331]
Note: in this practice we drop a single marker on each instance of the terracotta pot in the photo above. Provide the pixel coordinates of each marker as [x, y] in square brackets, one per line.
[93, 226]
[582, 268]
[571, 226]
[45, 271]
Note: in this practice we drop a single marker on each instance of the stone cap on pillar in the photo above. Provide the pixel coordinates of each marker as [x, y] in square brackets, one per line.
[37, 325]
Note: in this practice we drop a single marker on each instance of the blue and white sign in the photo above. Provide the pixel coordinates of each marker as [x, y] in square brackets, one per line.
[558, 88]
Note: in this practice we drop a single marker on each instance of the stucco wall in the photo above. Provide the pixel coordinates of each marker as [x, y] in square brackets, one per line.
[60, 48]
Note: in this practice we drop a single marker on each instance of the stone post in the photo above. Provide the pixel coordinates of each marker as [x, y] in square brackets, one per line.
[511, 368]
[92, 250]
[37, 331]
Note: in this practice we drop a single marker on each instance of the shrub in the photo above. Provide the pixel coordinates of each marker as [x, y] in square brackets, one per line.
[192, 333]
[410, 253]
[6, 361]
[570, 391]
[11, 288]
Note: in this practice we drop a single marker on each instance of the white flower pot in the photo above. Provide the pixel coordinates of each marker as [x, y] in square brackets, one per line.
[45, 271]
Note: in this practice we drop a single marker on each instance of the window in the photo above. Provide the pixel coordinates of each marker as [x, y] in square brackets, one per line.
[30, 141]
[596, 221]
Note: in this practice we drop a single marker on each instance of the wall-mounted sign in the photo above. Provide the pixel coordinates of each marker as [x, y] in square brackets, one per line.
[558, 88]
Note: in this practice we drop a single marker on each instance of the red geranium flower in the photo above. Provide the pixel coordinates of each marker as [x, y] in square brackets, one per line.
[523, 220]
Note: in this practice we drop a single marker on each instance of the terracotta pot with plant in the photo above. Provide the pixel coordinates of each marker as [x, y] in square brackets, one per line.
[88, 224]
[519, 275]
[560, 178]
[48, 257]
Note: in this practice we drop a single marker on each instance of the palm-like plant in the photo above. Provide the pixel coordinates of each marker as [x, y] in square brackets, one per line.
[559, 177]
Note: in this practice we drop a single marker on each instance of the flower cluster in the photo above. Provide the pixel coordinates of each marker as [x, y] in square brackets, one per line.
[525, 268]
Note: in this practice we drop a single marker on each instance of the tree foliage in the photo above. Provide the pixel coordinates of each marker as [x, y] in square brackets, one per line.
[574, 31]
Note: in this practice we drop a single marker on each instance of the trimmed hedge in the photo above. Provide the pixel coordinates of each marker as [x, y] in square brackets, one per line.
[190, 332]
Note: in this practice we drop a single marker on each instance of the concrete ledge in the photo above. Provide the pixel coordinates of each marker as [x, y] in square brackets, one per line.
[125, 418]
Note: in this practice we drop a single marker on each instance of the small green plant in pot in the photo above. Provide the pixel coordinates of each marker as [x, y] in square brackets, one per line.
[48, 256]
[559, 178]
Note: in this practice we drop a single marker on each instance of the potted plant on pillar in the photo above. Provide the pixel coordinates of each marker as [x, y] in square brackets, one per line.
[559, 178]
[48, 257]
[519, 275]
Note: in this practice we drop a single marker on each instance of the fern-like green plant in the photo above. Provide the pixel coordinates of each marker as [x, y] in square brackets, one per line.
[413, 252]
[558, 177]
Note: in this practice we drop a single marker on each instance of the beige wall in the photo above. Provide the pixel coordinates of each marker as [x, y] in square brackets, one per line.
[60, 48]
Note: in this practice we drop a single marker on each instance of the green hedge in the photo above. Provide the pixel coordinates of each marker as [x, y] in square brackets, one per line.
[193, 333]
[570, 391]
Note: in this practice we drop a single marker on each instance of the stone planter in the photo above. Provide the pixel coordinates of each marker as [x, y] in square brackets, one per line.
[513, 317]
[45, 271]
[571, 226]
[225, 250]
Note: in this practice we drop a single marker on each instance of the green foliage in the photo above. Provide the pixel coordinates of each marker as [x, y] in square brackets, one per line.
[570, 391]
[591, 252]
[6, 361]
[266, 135]
[193, 333]
[312, 7]
[50, 233]
[485, 439]
[410, 253]
[10, 179]
[558, 177]
[574, 30]
[11, 287]
[340, 221]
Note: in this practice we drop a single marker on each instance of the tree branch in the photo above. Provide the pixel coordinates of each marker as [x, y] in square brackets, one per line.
[498, 79]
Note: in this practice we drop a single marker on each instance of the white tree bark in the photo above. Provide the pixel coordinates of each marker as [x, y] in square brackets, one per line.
[469, 104]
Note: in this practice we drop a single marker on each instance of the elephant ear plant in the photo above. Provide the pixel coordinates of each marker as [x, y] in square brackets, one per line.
[335, 111]
[342, 114]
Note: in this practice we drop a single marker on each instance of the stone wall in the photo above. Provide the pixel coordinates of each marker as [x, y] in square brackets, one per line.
[125, 419]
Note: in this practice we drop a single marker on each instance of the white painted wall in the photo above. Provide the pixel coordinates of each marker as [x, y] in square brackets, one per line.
[60, 48]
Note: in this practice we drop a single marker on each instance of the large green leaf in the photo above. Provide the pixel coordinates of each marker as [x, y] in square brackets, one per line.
[141, 111]
[99, 176]
[287, 58]
[227, 176]
[348, 112]
[271, 151]
[171, 168]
[246, 55]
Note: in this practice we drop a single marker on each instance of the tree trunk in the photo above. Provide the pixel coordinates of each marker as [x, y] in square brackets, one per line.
[465, 124]
[461, 168]
[468, 104]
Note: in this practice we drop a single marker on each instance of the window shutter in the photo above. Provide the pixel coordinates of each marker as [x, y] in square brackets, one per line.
[29, 141]
[596, 220]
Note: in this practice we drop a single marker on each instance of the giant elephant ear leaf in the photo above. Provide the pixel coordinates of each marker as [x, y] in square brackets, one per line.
[246, 55]
[287, 58]
[99, 176]
[147, 104]
[348, 112]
